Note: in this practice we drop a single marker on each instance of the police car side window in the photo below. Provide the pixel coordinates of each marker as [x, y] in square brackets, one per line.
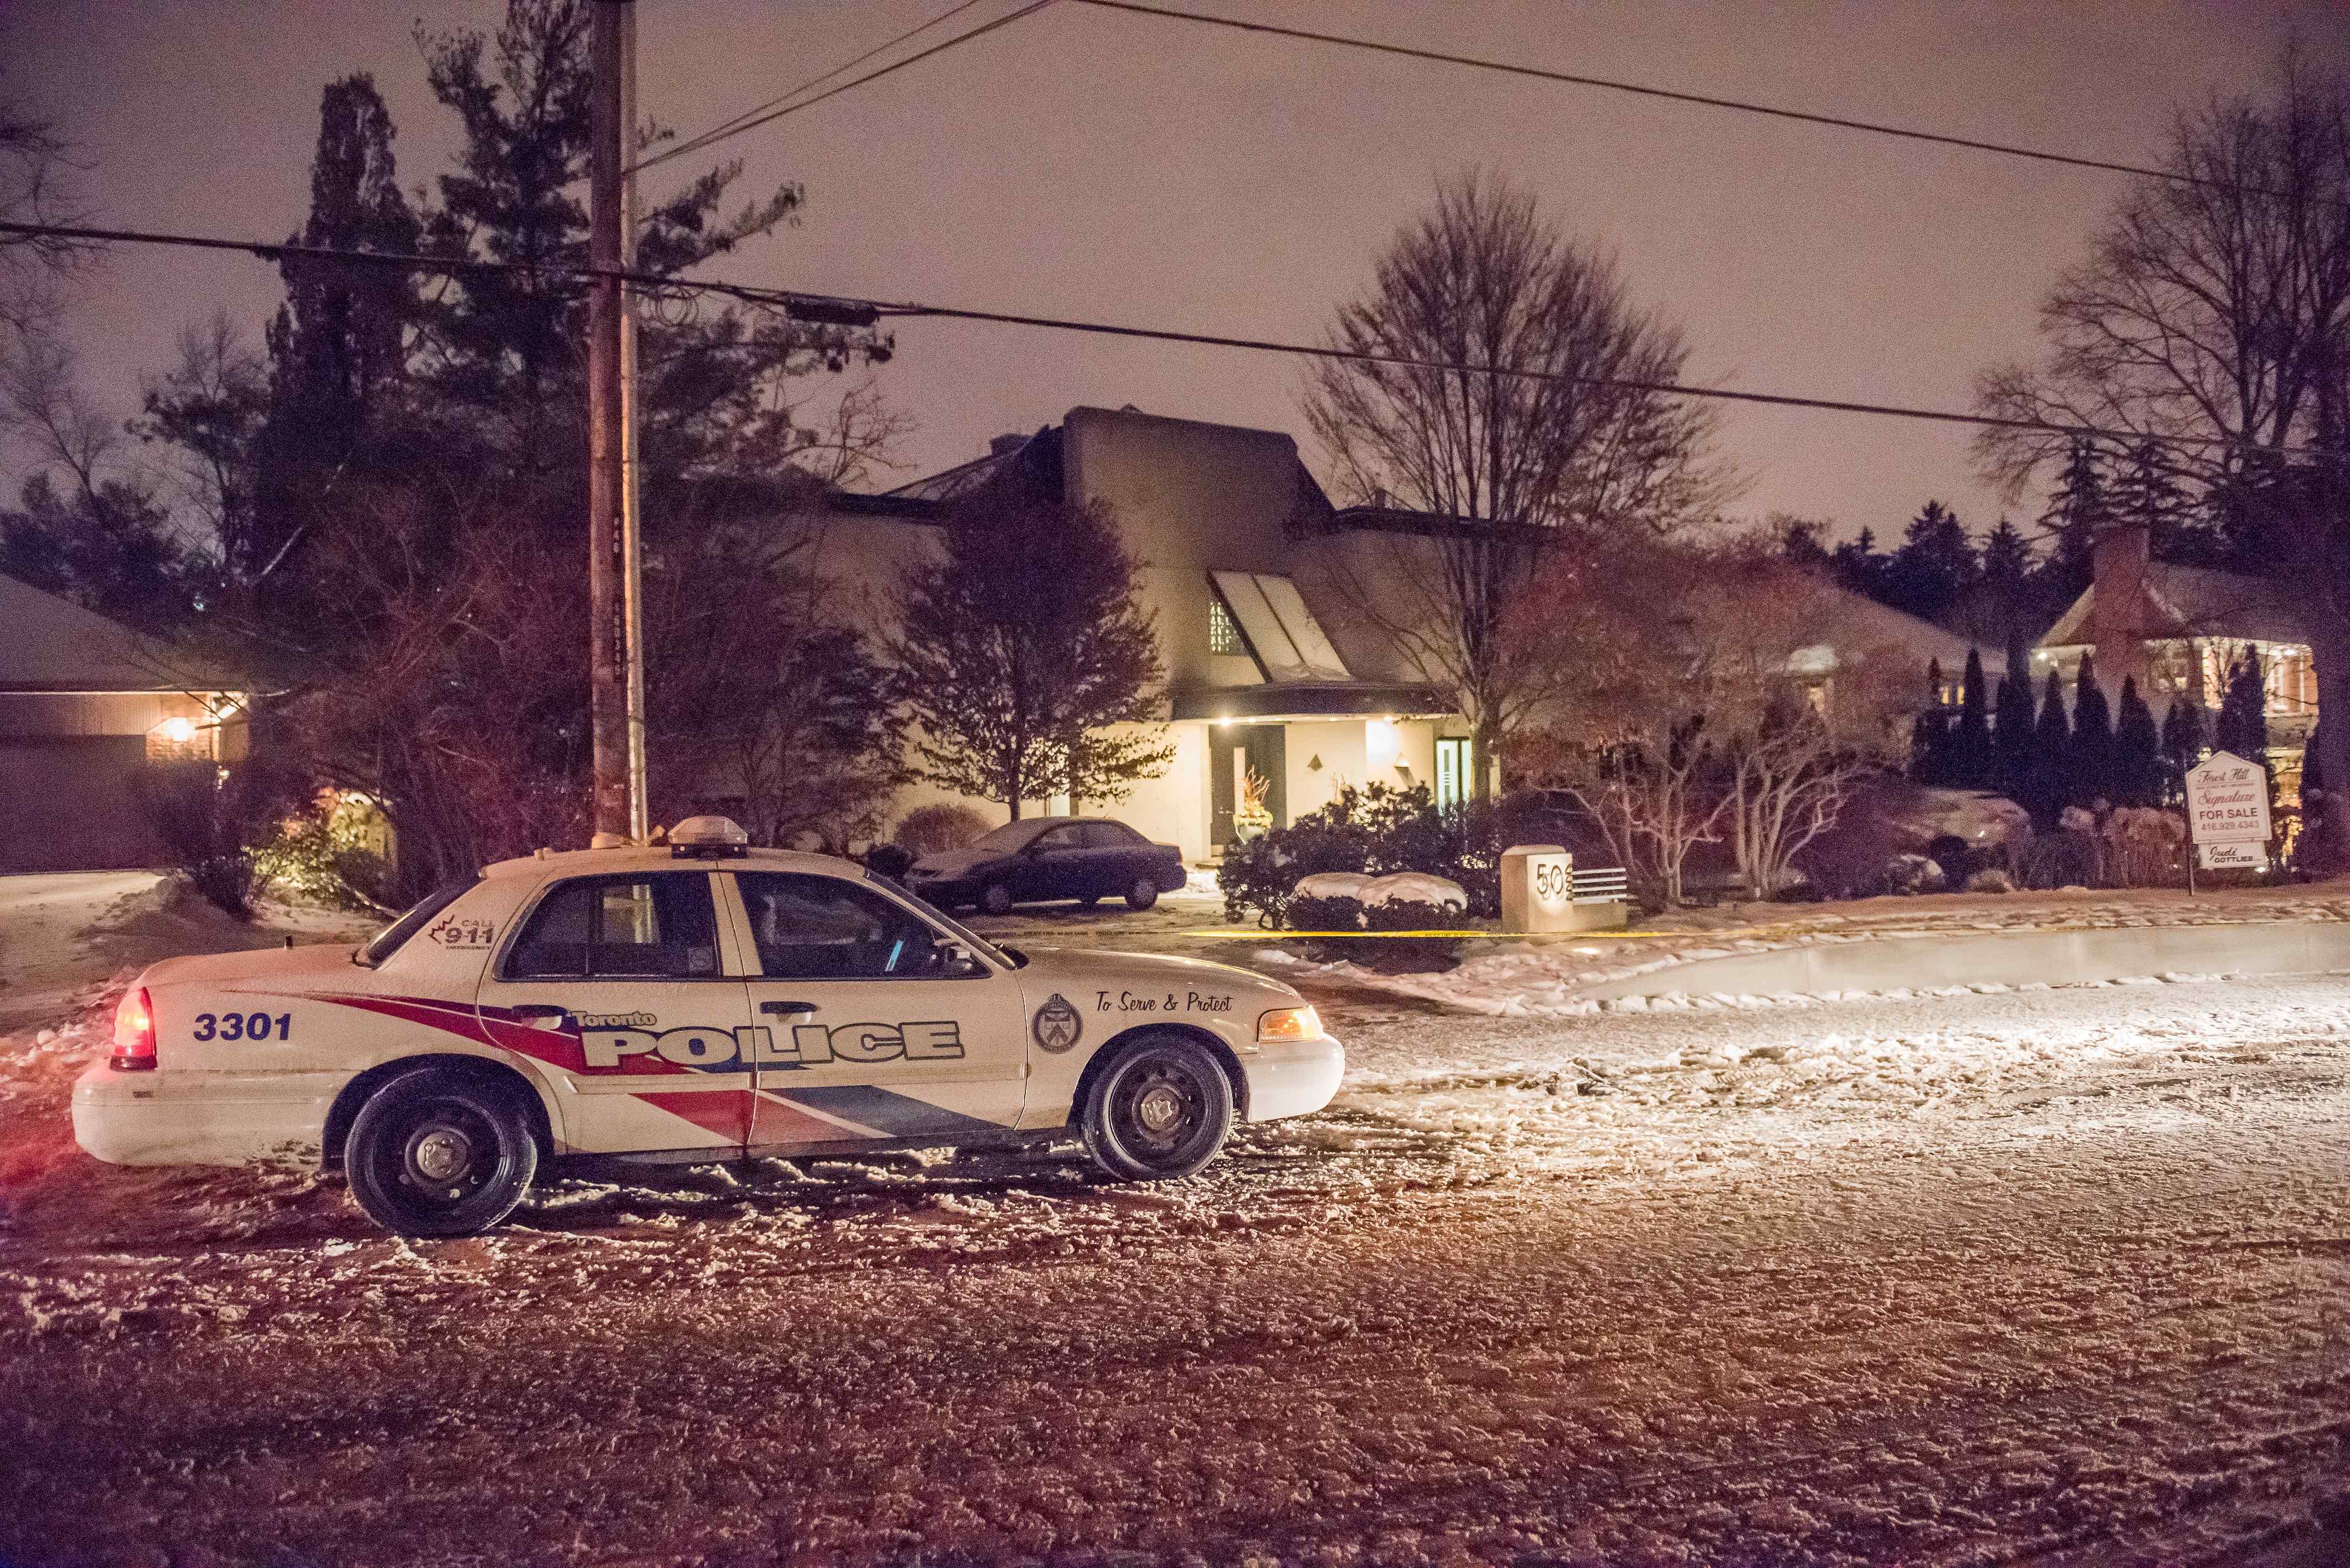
[825, 928]
[644, 928]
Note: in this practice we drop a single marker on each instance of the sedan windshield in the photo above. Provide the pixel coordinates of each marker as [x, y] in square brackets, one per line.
[954, 927]
[388, 941]
[1014, 836]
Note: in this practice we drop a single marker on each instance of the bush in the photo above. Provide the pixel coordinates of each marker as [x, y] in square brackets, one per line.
[201, 811]
[1322, 915]
[1909, 874]
[328, 856]
[1992, 880]
[1376, 830]
[1411, 915]
[935, 829]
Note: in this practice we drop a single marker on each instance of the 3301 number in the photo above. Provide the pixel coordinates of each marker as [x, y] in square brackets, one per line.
[243, 1026]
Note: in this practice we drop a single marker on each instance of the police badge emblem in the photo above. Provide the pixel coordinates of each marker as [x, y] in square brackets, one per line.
[1056, 1024]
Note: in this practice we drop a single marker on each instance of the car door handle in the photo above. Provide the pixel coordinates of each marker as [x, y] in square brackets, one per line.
[537, 1010]
[785, 1008]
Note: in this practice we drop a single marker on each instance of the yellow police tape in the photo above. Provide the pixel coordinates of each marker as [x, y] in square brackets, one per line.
[1240, 933]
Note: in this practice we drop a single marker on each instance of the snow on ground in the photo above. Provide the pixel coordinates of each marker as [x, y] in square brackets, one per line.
[1546, 979]
[2056, 1277]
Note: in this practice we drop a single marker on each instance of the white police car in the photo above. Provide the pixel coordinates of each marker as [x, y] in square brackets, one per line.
[694, 1001]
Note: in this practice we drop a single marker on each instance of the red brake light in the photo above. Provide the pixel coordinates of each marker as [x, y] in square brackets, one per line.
[134, 1033]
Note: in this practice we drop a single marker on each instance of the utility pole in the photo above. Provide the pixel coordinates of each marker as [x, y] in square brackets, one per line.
[616, 668]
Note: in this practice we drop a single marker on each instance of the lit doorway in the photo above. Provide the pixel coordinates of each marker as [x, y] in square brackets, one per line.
[1451, 771]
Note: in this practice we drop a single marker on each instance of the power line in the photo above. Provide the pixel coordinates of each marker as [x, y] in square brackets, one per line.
[850, 310]
[758, 120]
[725, 126]
[1640, 89]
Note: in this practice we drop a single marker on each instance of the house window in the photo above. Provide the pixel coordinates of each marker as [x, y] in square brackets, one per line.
[1451, 771]
[1223, 637]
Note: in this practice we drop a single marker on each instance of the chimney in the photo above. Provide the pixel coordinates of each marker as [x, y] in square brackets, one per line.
[2121, 617]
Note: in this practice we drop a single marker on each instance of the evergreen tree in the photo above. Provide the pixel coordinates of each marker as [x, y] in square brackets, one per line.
[2243, 724]
[1018, 646]
[2077, 512]
[2089, 765]
[1972, 765]
[2052, 748]
[1859, 567]
[2136, 768]
[2012, 735]
[1929, 732]
[2006, 555]
[2183, 731]
[1935, 565]
[2313, 781]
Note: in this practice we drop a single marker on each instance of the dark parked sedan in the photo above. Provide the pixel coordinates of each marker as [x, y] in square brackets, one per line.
[1085, 858]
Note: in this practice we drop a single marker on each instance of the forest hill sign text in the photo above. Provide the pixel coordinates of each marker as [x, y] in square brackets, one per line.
[2227, 812]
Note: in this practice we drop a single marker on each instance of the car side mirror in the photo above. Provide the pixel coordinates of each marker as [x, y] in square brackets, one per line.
[957, 961]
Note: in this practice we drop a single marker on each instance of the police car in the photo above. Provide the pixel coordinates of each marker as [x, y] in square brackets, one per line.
[695, 1002]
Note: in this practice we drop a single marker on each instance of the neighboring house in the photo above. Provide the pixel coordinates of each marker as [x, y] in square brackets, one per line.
[1861, 627]
[2179, 631]
[1268, 669]
[83, 704]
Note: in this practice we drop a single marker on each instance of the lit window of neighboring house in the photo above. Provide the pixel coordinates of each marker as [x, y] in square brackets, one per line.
[1223, 637]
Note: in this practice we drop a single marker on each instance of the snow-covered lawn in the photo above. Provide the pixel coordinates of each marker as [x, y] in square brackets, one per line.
[2058, 1277]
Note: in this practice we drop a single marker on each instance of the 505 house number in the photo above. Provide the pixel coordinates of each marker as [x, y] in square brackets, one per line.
[243, 1026]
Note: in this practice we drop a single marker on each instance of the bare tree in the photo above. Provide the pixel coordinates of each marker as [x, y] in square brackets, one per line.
[1701, 692]
[1505, 457]
[2211, 320]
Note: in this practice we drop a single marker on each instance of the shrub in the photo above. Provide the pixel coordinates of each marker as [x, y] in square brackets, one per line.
[201, 812]
[1322, 915]
[327, 855]
[1411, 915]
[1909, 874]
[935, 829]
[1992, 880]
[1376, 830]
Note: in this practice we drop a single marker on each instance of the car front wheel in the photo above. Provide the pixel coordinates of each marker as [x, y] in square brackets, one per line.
[1159, 1110]
[439, 1153]
[1142, 894]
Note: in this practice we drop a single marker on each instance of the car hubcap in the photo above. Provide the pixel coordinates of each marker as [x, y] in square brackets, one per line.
[438, 1154]
[1160, 1109]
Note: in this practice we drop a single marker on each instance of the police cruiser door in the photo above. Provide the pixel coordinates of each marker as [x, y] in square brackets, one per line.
[869, 1021]
[626, 975]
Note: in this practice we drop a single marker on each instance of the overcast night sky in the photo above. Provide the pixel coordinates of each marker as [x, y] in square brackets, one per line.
[1098, 164]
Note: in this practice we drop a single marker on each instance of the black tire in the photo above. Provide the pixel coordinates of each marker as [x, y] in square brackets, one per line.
[995, 898]
[440, 1152]
[1159, 1110]
[1142, 894]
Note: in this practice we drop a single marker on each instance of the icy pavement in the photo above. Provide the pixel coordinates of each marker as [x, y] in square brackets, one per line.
[2059, 1277]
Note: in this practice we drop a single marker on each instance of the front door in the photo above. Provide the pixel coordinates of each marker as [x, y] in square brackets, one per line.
[860, 1027]
[617, 982]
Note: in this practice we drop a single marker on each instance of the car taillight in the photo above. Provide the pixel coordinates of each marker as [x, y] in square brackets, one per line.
[134, 1033]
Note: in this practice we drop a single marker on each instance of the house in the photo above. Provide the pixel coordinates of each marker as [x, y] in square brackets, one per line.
[1248, 571]
[2179, 631]
[85, 704]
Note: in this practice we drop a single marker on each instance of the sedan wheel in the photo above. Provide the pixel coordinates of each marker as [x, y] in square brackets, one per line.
[995, 898]
[1142, 894]
[1160, 1109]
[439, 1153]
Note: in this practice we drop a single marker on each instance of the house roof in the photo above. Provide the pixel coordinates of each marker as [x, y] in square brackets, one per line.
[1859, 622]
[56, 644]
[2195, 601]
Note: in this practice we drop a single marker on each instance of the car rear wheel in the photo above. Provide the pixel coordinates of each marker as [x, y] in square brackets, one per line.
[439, 1153]
[995, 898]
[1159, 1110]
[1142, 894]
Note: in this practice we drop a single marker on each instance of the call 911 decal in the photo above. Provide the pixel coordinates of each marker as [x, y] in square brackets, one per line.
[740, 1050]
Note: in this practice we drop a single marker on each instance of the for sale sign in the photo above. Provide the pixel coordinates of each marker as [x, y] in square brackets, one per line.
[2228, 811]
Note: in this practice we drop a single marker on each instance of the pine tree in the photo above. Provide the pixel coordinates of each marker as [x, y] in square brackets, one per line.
[1020, 645]
[1930, 733]
[2243, 723]
[1972, 765]
[2183, 731]
[2052, 747]
[2077, 511]
[2313, 781]
[1935, 565]
[2011, 736]
[2006, 556]
[2136, 767]
[2089, 768]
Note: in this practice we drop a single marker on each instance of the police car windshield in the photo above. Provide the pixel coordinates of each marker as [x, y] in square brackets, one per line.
[389, 940]
[954, 927]
[1014, 836]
